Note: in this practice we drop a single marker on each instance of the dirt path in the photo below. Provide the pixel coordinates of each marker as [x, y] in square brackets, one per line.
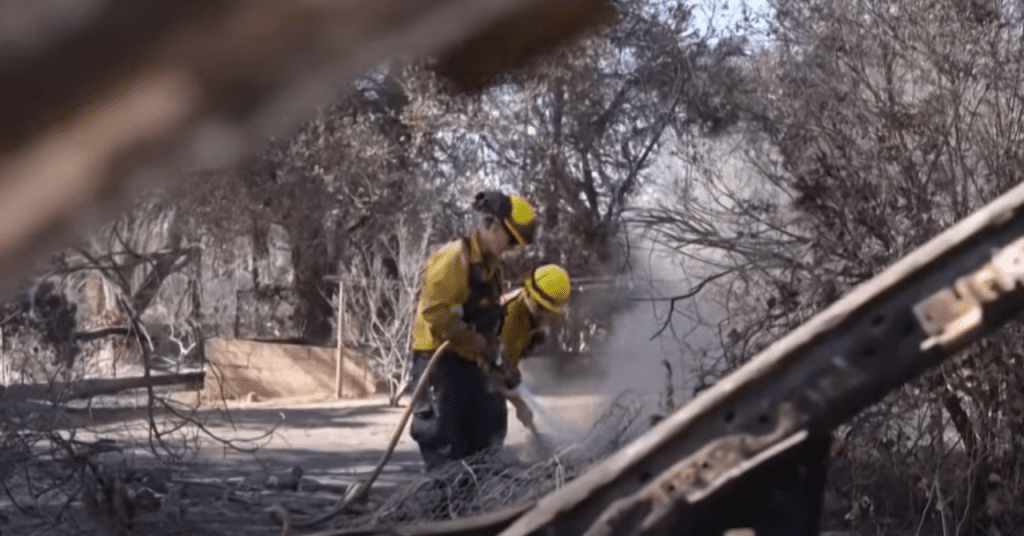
[342, 440]
[336, 443]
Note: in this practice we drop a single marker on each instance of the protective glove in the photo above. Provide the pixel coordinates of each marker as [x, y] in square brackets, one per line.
[512, 377]
[537, 338]
[478, 344]
[465, 340]
[523, 412]
[505, 371]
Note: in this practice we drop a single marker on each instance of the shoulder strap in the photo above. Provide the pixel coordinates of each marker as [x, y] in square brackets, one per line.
[467, 251]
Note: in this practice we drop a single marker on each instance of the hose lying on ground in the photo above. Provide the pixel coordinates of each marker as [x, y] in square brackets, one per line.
[360, 490]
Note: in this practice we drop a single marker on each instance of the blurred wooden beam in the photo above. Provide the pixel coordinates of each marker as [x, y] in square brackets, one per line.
[14, 394]
[119, 95]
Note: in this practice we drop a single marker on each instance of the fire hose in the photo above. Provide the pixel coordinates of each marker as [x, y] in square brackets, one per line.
[360, 490]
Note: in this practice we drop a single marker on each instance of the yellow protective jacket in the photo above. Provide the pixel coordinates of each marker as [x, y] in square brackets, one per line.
[519, 328]
[461, 294]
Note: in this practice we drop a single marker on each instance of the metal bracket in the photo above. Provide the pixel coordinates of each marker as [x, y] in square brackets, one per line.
[701, 474]
[956, 314]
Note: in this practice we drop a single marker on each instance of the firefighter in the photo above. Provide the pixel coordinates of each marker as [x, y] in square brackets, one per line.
[462, 412]
[529, 314]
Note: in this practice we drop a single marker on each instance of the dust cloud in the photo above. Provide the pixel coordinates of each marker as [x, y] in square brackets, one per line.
[657, 348]
[646, 357]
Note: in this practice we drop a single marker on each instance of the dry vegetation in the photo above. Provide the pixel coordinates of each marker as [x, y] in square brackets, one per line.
[871, 127]
[864, 129]
[488, 481]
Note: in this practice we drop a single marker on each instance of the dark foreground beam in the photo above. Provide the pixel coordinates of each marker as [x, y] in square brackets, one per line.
[115, 96]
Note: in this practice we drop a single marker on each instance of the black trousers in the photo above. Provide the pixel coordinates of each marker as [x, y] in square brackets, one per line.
[460, 414]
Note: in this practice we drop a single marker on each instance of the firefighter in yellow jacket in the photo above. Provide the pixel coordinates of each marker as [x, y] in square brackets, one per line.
[462, 413]
[529, 313]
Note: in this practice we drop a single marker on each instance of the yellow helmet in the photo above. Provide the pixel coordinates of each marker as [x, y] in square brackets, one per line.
[521, 221]
[516, 215]
[548, 287]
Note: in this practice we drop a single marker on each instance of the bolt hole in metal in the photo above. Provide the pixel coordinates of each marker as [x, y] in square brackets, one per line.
[730, 416]
[763, 418]
[878, 320]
